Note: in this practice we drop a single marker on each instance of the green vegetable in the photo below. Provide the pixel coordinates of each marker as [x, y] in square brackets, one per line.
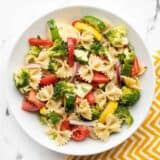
[124, 114]
[102, 85]
[97, 48]
[22, 78]
[96, 112]
[126, 69]
[117, 35]
[129, 96]
[95, 22]
[54, 117]
[53, 30]
[121, 57]
[59, 49]
[34, 50]
[82, 89]
[129, 56]
[81, 55]
[126, 57]
[69, 101]
[61, 88]
[53, 66]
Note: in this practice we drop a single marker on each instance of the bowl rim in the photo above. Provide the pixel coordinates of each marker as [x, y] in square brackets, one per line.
[35, 21]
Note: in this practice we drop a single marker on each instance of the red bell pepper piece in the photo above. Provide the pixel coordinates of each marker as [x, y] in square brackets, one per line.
[40, 42]
[71, 43]
[135, 67]
[91, 98]
[48, 79]
[100, 78]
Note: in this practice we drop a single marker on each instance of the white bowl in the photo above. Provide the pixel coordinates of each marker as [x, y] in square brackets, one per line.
[29, 122]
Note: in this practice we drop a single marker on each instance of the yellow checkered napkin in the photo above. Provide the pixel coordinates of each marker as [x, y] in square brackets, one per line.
[144, 144]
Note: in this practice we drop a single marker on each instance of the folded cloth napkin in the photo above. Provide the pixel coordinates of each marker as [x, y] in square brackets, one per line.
[144, 144]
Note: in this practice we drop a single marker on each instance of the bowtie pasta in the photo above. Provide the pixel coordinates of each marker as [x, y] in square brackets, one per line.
[81, 79]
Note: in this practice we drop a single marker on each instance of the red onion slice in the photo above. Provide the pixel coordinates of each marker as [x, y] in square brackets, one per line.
[76, 68]
[33, 65]
[76, 122]
[118, 73]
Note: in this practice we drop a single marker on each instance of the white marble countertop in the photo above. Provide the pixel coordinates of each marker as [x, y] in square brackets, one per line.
[15, 15]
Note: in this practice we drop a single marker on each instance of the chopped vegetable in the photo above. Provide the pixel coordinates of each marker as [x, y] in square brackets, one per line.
[54, 117]
[48, 79]
[100, 78]
[22, 78]
[98, 49]
[80, 133]
[31, 97]
[121, 57]
[69, 101]
[82, 89]
[34, 50]
[129, 56]
[95, 22]
[91, 98]
[126, 69]
[29, 107]
[129, 96]
[59, 49]
[66, 125]
[117, 36]
[61, 88]
[124, 114]
[81, 55]
[85, 27]
[118, 72]
[40, 42]
[43, 111]
[53, 30]
[71, 43]
[96, 112]
[76, 68]
[135, 67]
[111, 107]
[53, 66]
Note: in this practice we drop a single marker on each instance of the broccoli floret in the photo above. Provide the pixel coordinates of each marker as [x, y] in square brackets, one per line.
[129, 56]
[124, 114]
[129, 96]
[121, 57]
[34, 50]
[54, 117]
[126, 69]
[53, 66]
[59, 49]
[98, 48]
[61, 88]
[117, 35]
[126, 57]
[22, 78]
[96, 112]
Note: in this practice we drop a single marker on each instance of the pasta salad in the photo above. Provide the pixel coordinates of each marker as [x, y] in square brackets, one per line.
[81, 79]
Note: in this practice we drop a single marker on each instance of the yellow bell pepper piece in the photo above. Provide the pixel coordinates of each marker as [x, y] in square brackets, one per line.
[43, 110]
[85, 27]
[110, 109]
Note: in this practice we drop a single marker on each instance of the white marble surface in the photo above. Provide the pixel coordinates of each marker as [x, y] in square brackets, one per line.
[16, 15]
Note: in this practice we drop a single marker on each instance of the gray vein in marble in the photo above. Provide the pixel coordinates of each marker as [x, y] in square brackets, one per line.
[155, 17]
[19, 156]
[7, 113]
